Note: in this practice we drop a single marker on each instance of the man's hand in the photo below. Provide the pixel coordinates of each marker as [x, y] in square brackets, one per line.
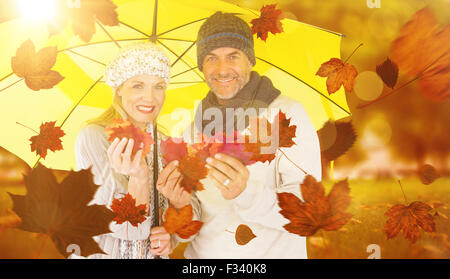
[228, 174]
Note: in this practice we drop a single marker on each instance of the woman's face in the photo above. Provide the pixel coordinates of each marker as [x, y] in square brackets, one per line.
[142, 98]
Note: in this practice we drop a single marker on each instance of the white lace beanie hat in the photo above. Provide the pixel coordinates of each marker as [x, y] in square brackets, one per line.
[137, 59]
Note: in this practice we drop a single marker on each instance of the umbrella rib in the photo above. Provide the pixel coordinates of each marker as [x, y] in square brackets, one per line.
[86, 57]
[7, 76]
[178, 27]
[180, 59]
[181, 56]
[135, 29]
[102, 42]
[73, 109]
[107, 33]
[179, 40]
[323, 95]
[186, 82]
[3, 89]
[191, 69]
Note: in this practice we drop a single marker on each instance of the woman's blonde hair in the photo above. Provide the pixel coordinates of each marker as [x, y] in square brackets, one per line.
[115, 111]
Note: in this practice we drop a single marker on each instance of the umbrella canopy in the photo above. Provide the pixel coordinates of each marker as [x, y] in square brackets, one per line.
[290, 59]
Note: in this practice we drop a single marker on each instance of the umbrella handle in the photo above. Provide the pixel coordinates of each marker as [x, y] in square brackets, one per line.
[155, 179]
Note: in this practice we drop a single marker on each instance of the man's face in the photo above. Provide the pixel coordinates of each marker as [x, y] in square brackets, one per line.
[226, 70]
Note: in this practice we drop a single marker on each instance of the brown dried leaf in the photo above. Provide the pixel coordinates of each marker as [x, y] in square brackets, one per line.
[244, 234]
[388, 72]
[428, 174]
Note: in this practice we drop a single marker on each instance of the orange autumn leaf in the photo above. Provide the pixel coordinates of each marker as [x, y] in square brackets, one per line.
[244, 234]
[193, 170]
[126, 210]
[422, 46]
[125, 129]
[286, 130]
[48, 138]
[316, 211]
[409, 219]
[180, 222]
[338, 74]
[61, 210]
[34, 67]
[269, 21]
[83, 18]
[173, 149]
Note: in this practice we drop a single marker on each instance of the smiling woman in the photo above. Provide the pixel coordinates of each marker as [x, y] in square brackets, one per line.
[139, 76]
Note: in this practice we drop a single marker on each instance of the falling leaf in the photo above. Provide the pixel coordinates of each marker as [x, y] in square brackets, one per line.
[173, 149]
[84, 17]
[48, 138]
[244, 234]
[269, 21]
[336, 138]
[388, 72]
[422, 45]
[61, 211]
[316, 211]
[338, 74]
[409, 219]
[180, 222]
[193, 170]
[428, 174]
[126, 210]
[125, 129]
[34, 67]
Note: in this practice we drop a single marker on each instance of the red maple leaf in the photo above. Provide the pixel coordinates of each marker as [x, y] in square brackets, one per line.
[173, 149]
[286, 131]
[61, 210]
[123, 128]
[258, 140]
[180, 222]
[338, 74]
[269, 21]
[193, 170]
[316, 211]
[36, 68]
[48, 138]
[409, 219]
[126, 210]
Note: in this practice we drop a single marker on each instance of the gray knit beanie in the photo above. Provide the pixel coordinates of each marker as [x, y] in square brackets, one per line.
[224, 30]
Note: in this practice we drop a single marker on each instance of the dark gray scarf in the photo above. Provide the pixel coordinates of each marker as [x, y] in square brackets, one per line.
[258, 93]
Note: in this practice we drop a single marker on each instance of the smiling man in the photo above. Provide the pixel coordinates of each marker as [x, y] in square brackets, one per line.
[236, 194]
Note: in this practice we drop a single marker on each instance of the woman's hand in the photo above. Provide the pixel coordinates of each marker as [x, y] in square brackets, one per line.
[135, 168]
[119, 155]
[169, 184]
[160, 241]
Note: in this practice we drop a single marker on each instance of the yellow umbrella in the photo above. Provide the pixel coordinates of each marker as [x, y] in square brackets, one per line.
[290, 59]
